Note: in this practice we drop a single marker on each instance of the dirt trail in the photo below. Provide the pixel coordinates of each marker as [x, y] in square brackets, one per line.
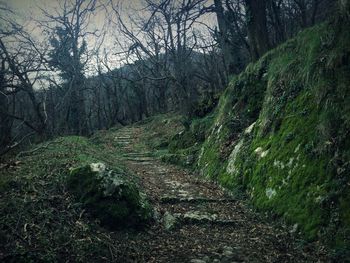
[197, 221]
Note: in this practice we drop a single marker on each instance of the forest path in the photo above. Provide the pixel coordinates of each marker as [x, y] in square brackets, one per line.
[197, 221]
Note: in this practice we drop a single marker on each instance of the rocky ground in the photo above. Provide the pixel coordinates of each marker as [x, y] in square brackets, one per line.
[197, 221]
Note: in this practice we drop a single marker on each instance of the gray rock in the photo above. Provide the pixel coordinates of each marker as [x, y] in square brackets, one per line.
[199, 216]
[190, 159]
[228, 252]
[197, 261]
[231, 254]
[169, 221]
[156, 215]
[206, 259]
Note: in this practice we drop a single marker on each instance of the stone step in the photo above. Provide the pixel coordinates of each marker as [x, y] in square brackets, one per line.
[136, 156]
[143, 163]
[171, 221]
[122, 137]
[139, 159]
[190, 199]
[225, 254]
[125, 131]
[140, 153]
[200, 220]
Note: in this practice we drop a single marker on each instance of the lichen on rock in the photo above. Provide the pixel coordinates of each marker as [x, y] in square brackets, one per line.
[270, 193]
[231, 168]
[250, 128]
[260, 152]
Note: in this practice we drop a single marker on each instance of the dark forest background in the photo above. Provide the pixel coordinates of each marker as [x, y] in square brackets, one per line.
[172, 61]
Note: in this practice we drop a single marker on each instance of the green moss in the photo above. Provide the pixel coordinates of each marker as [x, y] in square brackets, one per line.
[200, 126]
[295, 161]
[238, 107]
[156, 138]
[110, 197]
[182, 140]
[297, 176]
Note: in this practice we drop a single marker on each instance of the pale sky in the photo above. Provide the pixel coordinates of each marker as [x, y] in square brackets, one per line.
[31, 8]
[27, 10]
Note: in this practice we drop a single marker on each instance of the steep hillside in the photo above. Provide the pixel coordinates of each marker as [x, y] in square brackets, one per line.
[281, 134]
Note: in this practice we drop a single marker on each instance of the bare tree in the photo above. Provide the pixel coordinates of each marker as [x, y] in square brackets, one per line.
[21, 69]
[165, 42]
[257, 27]
[69, 55]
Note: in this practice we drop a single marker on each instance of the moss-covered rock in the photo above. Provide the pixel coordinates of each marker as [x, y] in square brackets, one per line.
[109, 195]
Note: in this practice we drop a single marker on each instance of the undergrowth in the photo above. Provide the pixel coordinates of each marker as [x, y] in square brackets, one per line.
[40, 221]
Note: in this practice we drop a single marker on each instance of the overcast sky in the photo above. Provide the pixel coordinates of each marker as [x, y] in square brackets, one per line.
[31, 8]
[27, 10]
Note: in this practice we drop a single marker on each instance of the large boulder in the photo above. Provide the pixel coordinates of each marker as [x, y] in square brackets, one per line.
[109, 195]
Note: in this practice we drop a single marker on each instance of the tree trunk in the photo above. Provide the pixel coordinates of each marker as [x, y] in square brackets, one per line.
[5, 123]
[77, 121]
[303, 13]
[257, 27]
[345, 8]
[223, 35]
[275, 10]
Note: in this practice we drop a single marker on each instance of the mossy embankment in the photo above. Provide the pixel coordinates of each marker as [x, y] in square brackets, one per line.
[280, 133]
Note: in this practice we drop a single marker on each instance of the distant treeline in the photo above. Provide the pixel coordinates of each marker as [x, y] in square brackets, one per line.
[173, 60]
